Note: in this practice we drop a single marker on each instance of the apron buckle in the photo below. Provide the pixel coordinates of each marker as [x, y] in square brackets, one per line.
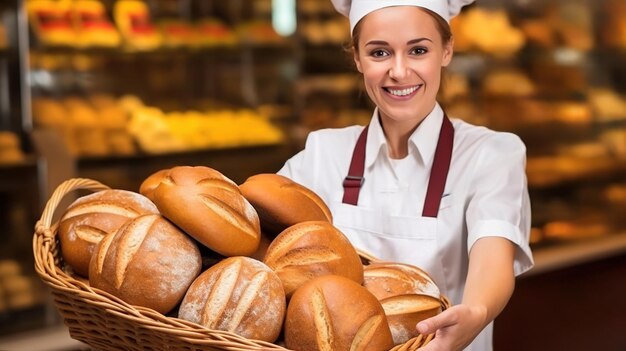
[353, 182]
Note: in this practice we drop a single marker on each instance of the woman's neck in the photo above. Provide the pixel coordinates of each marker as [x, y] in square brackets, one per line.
[397, 134]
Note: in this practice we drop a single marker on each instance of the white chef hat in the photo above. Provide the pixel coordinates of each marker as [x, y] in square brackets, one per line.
[357, 9]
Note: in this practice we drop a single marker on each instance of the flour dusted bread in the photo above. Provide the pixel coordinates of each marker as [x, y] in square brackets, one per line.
[311, 249]
[148, 262]
[281, 202]
[240, 295]
[405, 311]
[209, 207]
[387, 279]
[407, 293]
[333, 313]
[87, 220]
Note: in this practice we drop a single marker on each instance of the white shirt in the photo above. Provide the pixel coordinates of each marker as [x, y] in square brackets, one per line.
[485, 195]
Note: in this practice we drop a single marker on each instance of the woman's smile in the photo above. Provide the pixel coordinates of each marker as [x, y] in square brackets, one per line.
[402, 93]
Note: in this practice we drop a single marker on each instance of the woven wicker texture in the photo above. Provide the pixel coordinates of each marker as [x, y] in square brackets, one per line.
[105, 322]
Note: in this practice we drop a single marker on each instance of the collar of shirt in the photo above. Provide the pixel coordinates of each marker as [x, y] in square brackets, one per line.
[424, 138]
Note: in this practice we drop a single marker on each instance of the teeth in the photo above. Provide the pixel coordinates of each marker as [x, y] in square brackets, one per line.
[403, 92]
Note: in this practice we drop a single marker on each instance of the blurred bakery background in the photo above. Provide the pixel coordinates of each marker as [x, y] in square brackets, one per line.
[115, 90]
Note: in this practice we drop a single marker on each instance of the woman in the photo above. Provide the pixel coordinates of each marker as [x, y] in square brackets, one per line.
[417, 187]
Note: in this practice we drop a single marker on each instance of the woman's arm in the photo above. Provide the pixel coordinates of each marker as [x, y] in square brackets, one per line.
[489, 286]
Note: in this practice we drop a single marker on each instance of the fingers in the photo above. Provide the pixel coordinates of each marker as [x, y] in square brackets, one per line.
[440, 321]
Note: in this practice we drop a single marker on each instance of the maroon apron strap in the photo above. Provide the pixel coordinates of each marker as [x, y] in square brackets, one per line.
[438, 174]
[352, 183]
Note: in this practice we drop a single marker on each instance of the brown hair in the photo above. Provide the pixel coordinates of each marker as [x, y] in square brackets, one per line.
[443, 27]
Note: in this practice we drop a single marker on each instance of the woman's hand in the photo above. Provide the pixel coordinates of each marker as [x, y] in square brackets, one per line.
[454, 328]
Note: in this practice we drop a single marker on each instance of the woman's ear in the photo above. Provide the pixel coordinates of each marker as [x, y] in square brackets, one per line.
[357, 60]
[448, 51]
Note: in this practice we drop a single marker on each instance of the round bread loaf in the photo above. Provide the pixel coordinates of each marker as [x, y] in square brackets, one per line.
[149, 184]
[407, 293]
[88, 219]
[333, 313]
[240, 295]
[281, 202]
[148, 262]
[405, 311]
[387, 279]
[209, 207]
[311, 249]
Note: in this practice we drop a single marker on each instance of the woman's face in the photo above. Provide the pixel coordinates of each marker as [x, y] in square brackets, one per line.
[400, 54]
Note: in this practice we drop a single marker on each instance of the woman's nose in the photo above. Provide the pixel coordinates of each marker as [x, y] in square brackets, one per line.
[398, 69]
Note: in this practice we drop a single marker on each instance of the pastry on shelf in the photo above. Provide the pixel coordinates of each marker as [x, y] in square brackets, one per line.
[3, 36]
[10, 148]
[92, 25]
[177, 33]
[258, 32]
[212, 32]
[490, 31]
[508, 82]
[574, 230]
[573, 24]
[615, 142]
[607, 104]
[133, 20]
[539, 32]
[50, 22]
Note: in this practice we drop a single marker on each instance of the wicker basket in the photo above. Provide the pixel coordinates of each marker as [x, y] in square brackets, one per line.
[105, 322]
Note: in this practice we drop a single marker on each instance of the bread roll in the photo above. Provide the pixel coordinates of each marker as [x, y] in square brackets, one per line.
[333, 313]
[405, 311]
[281, 202]
[387, 279]
[407, 293]
[210, 208]
[240, 295]
[149, 184]
[310, 249]
[88, 219]
[148, 262]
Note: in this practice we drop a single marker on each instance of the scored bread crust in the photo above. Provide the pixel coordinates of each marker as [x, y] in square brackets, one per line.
[387, 279]
[239, 295]
[149, 184]
[281, 202]
[88, 219]
[310, 249]
[335, 313]
[209, 207]
[148, 262]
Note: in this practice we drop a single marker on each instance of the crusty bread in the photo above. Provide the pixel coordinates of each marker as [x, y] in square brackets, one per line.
[148, 262]
[310, 249]
[408, 295]
[281, 202]
[209, 207]
[88, 219]
[240, 295]
[149, 184]
[387, 279]
[405, 311]
[333, 313]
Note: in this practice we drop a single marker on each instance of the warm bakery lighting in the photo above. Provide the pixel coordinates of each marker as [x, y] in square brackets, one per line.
[284, 16]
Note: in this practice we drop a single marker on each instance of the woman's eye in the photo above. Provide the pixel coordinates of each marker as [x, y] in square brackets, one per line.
[379, 53]
[419, 51]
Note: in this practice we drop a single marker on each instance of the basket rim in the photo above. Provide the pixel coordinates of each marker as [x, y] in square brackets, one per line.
[48, 268]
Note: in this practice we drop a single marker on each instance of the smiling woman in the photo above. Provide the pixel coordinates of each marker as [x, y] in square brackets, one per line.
[417, 187]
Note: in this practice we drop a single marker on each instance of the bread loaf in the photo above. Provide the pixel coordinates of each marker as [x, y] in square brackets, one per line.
[281, 202]
[387, 279]
[310, 249]
[407, 293]
[333, 313]
[209, 207]
[405, 311]
[240, 295]
[149, 184]
[88, 219]
[148, 262]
